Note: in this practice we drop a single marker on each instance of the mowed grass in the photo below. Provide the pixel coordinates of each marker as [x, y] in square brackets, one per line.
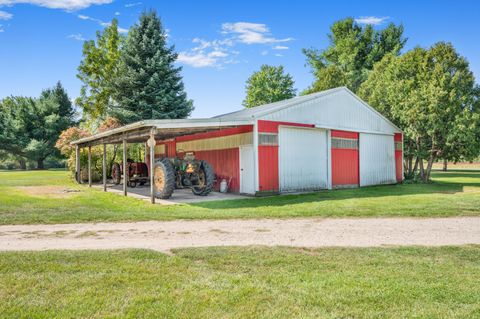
[454, 193]
[253, 282]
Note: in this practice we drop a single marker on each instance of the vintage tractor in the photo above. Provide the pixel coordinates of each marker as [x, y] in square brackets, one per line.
[137, 173]
[171, 173]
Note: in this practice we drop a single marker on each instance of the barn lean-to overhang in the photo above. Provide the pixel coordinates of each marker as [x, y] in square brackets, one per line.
[141, 131]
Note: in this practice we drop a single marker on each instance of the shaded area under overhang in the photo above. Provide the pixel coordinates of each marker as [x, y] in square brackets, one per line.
[139, 132]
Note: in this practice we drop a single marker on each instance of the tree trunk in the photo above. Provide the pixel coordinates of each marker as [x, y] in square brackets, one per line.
[415, 167]
[40, 164]
[409, 168]
[422, 170]
[429, 168]
[22, 163]
[445, 165]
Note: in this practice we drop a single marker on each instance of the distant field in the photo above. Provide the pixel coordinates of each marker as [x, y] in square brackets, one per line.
[243, 283]
[462, 165]
[52, 197]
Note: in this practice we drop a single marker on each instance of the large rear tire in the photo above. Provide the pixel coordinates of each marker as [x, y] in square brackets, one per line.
[206, 180]
[163, 178]
[116, 174]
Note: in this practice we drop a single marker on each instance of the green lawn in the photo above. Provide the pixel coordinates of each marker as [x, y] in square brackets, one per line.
[243, 283]
[452, 194]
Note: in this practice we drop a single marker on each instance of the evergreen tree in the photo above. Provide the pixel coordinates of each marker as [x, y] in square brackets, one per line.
[148, 85]
[32, 126]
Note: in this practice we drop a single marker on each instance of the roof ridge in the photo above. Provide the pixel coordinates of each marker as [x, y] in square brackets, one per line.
[283, 103]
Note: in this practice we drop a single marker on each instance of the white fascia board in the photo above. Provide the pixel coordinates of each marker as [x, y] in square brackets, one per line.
[349, 129]
[256, 169]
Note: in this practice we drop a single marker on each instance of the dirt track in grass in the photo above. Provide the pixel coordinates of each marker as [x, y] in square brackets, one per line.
[305, 232]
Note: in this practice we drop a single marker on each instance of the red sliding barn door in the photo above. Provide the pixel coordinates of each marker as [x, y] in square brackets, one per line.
[345, 160]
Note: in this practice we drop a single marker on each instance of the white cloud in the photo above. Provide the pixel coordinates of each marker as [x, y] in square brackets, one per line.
[78, 37]
[371, 20]
[68, 5]
[279, 55]
[133, 4]
[100, 22]
[219, 52]
[197, 60]
[208, 54]
[117, 13]
[5, 15]
[251, 33]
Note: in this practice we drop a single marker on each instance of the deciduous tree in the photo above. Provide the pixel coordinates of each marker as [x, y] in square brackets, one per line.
[97, 71]
[270, 84]
[431, 94]
[351, 54]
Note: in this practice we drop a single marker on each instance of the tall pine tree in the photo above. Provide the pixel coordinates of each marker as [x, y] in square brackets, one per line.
[149, 86]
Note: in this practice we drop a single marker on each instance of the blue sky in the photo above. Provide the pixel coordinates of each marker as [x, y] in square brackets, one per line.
[220, 43]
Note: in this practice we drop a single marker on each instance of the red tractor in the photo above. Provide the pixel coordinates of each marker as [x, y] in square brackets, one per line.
[137, 173]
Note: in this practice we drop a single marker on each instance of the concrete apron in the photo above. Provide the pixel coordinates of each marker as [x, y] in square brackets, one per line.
[179, 196]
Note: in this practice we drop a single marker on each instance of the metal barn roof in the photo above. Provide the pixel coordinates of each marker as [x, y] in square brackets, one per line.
[260, 110]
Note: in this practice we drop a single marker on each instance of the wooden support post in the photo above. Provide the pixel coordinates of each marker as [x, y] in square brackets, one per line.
[125, 169]
[89, 166]
[104, 167]
[77, 164]
[152, 163]
[146, 152]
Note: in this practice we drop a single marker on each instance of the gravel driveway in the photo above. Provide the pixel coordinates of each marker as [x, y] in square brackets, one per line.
[305, 232]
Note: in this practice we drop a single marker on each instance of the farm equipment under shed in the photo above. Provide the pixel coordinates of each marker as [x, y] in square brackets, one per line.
[137, 173]
[170, 174]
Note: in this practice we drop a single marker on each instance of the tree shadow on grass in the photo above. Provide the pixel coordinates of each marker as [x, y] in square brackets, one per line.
[443, 186]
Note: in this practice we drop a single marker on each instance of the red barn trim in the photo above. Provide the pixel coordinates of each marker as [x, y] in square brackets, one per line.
[345, 134]
[398, 141]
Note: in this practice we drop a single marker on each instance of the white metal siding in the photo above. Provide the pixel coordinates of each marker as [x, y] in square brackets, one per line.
[339, 110]
[377, 159]
[302, 159]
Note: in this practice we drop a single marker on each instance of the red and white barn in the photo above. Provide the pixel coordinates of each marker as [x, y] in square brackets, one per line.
[325, 140]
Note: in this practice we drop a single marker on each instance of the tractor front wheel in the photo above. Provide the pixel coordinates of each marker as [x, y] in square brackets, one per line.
[206, 180]
[163, 178]
[116, 174]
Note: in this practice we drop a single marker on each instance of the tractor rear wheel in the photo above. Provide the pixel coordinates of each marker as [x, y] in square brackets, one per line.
[206, 180]
[116, 174]
[163, 178]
